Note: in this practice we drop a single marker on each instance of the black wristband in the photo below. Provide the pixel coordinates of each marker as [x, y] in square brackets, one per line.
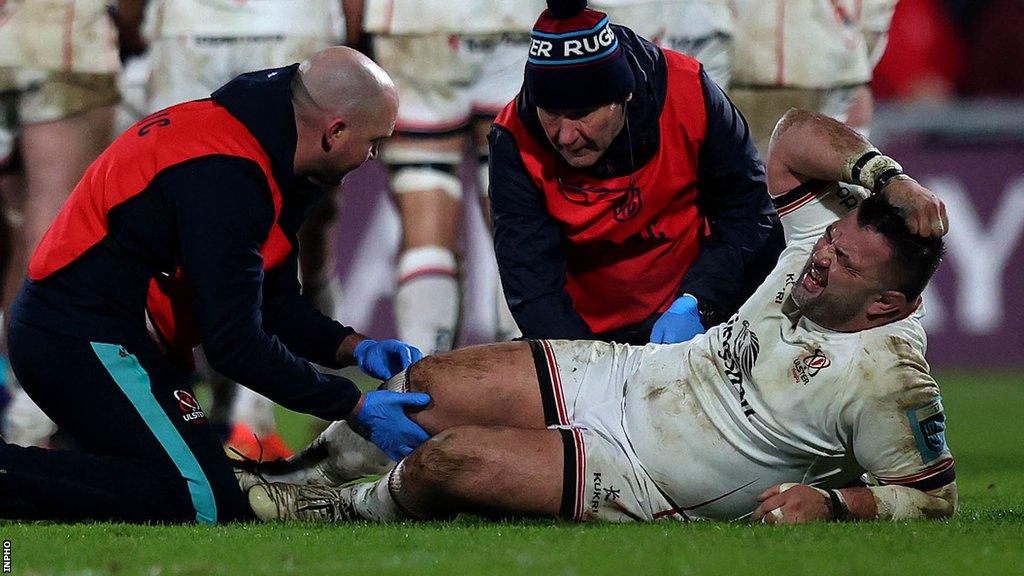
[840, 511]
[860, 163]
[884, 178]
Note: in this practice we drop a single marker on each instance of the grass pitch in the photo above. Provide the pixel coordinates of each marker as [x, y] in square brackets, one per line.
[986, 434]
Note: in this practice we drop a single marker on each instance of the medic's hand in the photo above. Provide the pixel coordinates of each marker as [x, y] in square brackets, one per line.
[383, 359]
[382, 420]
[679, 323]
[924, 212]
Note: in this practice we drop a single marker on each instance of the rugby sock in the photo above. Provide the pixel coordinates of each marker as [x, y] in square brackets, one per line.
[386, 500]
[427, 301]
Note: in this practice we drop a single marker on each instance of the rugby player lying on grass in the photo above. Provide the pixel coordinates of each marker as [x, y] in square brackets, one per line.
[774, 415]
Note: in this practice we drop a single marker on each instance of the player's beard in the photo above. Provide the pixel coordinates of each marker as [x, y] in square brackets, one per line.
[826, 308]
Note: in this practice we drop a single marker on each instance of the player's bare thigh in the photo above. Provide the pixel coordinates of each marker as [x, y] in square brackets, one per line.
[491, 471]
[489, 385]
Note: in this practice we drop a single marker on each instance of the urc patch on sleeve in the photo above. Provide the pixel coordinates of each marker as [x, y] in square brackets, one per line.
[929, 426]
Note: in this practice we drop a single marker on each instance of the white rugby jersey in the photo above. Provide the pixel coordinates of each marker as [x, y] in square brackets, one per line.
[244, 18]
[445, 16]
[806, 43]
[771, 397]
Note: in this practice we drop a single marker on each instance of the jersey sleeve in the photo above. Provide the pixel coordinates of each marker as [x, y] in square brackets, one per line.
[807, 210]
[223, 212]
[289, 315]
[898, 430]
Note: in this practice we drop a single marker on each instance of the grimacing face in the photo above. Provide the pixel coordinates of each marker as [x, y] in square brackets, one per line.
[845, 273]
[583, 135]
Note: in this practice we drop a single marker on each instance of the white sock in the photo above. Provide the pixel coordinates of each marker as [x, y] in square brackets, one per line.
[379, 501]
[254, 410]
[427, 300]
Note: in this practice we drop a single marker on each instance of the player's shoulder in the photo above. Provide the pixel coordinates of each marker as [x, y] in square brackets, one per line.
[891, 363]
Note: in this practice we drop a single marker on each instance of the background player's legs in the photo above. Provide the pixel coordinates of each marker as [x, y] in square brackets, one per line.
[148, 453]
[428, 194]
[505, 327]
[67, 122]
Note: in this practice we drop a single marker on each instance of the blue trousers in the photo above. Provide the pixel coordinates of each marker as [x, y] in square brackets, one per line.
[148, 453]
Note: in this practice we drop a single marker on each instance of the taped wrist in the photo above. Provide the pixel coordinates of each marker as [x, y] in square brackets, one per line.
[871, 169]
[904, 503]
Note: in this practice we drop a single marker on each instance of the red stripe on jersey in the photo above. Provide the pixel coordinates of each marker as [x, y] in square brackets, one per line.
[799, 203]
[933, 470]
[581, 473]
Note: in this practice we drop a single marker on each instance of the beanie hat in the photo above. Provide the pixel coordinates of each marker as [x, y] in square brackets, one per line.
[576, 61]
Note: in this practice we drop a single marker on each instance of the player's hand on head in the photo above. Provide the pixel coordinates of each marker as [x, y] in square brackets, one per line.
[382, 419]
[384, 358]
[925, 213]
[679, 323]
[792, 504]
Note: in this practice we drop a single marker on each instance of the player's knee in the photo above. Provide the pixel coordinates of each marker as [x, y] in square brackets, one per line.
[445, 460]
[424, 375]
[412, 178]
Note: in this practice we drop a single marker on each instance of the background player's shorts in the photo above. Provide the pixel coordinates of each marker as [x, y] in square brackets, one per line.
[764, 107]
[29, 96]
[702, 29]
[188, 68]
[444, 80]
[582, 387]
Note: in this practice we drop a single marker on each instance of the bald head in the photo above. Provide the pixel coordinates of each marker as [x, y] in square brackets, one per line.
[345, 106]
[344, 82]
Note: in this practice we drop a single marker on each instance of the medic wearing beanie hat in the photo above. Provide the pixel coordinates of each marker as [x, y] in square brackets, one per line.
[628, 201]
[576, 60]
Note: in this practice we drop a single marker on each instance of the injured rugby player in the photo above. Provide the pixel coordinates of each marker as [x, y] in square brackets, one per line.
[777, 415]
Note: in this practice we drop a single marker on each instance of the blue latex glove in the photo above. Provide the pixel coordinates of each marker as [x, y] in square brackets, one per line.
[382, 420]
[679, 323]
[385, 358]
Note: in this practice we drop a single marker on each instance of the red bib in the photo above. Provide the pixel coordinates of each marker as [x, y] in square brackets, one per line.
[629, 239]
[126, 168]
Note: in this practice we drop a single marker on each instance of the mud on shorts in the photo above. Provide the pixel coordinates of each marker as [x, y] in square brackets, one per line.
[31, 96]
[445, 80]
[582, 389]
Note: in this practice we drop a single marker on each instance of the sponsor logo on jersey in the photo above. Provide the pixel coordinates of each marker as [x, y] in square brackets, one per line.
[808, 367]
[189, 406]
[600, 493]
[739, 353]
[780, 296]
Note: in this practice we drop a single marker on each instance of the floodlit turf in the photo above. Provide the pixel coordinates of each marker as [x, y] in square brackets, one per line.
[986, 418]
